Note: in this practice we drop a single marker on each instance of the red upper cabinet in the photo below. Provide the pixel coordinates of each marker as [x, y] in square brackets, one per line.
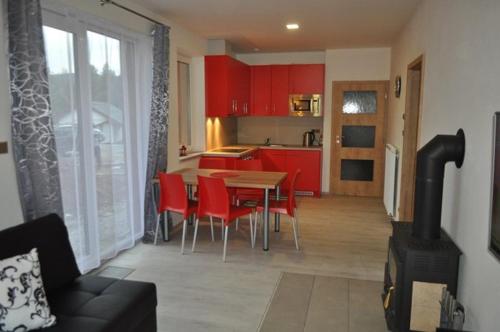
[307, 79]
[269, 91]
[260, 91]
[279, 90]
[217, 101]
[243, 89]
[226, 86]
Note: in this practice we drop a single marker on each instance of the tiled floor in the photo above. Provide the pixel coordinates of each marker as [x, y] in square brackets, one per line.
[309, 303]
[341, 237]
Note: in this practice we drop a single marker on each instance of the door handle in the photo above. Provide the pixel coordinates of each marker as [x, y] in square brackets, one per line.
[387, 299]
[338, 139]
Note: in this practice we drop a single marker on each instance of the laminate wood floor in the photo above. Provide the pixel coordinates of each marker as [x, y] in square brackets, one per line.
[340, 236]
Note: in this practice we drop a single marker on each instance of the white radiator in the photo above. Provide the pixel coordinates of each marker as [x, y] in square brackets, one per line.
[391, 178]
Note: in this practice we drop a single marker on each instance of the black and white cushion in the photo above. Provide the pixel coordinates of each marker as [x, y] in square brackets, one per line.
[23, 304]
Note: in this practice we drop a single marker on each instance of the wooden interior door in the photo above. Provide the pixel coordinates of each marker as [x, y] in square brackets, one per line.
[358, 138]
[410, 138]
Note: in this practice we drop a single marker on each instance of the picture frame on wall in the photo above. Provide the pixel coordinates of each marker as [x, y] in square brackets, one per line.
[494, 233]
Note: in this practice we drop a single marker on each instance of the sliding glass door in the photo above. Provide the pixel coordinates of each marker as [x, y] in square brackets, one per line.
[94, 101]
[66, 110]
[108, 123]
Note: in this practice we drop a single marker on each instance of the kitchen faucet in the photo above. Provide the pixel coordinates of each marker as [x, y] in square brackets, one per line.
[268, 141]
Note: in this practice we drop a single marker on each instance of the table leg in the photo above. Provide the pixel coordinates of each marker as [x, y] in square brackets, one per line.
[265, 238]
[164, 218]
[277, 215]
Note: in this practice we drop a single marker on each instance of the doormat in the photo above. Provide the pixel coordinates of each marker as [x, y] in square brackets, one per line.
[115, 272]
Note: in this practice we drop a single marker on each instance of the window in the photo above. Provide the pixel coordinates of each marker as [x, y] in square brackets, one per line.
[184, 102]
[95, 102]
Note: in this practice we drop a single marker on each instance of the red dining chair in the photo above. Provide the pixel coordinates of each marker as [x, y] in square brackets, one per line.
[173, 198]
[214, 202]
[211, 163]
[244, 193]
[247, 194]
[287, 207]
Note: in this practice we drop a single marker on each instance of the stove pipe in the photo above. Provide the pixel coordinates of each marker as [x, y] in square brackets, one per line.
[431, 160]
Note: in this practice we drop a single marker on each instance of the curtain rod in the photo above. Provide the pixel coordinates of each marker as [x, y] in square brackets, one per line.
[111, 2]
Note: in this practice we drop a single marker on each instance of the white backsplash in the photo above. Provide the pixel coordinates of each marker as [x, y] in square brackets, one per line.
[281, 130]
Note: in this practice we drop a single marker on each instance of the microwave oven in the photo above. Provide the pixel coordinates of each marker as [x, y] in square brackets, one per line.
[305, 105]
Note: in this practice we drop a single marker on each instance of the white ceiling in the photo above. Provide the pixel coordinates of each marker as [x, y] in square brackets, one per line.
[325, 24]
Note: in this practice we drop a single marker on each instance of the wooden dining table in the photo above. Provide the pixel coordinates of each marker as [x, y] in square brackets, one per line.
[266, 181]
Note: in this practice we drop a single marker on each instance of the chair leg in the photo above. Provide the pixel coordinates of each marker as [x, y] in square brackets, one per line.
[184, 226]
[297, 222]
[225, 243]
[222, 228]
[294, 224]
[195, 233]
[157, 228]
[212, 228]
[252, 242]
[256, 226]
[237, 219]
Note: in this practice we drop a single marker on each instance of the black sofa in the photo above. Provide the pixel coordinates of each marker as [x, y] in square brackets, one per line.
[80, 303]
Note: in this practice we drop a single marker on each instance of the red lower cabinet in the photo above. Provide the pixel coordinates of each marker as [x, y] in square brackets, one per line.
[308, 161]
[217, 162]
[280, 160]
[275, 161]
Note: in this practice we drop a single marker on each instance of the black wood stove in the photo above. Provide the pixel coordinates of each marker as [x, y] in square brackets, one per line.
[421, 251]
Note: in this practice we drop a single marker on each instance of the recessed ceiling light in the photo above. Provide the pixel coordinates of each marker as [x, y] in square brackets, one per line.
[292, 26]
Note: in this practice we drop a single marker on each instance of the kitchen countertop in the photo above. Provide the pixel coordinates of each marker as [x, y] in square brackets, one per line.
[291, 147]
[249, 149]
[253, 147]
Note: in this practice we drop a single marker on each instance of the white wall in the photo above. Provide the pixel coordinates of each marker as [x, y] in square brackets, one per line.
[182, 42]
[363, 64]
[459, 40]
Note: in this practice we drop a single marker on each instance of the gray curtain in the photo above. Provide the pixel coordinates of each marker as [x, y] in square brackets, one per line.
[33, 141]
[158, 128]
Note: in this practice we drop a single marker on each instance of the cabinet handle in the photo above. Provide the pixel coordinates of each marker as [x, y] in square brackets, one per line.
[235, 106]
[274, 108]
[266, 109]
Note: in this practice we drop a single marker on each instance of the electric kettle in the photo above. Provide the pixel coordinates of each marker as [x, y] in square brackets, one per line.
[308, 138]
